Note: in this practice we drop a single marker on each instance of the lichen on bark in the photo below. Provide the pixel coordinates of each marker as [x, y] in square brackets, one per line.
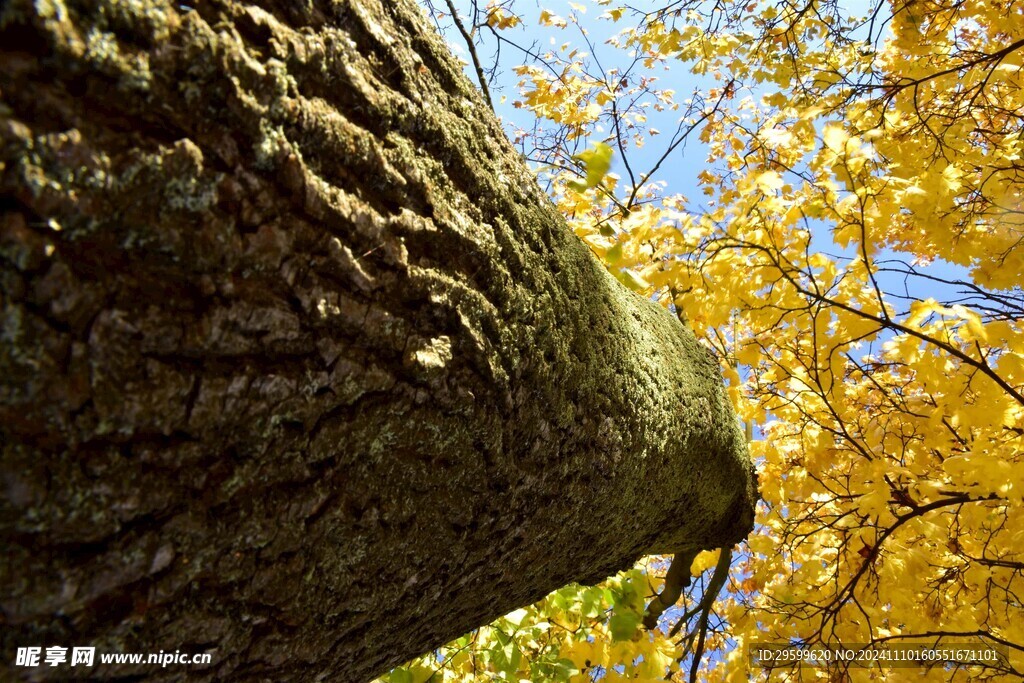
[299, 366]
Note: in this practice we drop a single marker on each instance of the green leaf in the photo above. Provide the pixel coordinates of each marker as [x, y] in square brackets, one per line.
[516, 618]
[565, 669]
[592, 604]
[506, 656]
[614, 255]
[400, 675]
[596, 162]
[559, 670]
[420, 673]
[623, 625]
[630, 597]
[632, 280]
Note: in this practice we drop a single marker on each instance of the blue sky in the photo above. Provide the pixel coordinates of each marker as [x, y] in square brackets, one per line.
[680, 169]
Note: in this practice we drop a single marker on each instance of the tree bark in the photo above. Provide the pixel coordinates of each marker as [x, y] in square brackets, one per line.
[299, 366]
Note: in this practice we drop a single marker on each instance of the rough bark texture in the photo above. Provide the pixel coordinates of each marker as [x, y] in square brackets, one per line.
[298, 365]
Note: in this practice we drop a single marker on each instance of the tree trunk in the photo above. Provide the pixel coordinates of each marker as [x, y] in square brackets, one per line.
[299, 366]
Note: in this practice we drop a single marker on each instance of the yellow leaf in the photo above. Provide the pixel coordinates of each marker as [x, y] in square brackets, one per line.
[596, 162]
[705, 560]
[835, 138]
[769, 181]
[499, 18]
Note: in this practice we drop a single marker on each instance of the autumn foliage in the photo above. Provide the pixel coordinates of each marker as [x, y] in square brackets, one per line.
[856, 264]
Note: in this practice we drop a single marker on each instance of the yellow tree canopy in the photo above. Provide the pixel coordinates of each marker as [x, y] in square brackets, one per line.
[856, 265]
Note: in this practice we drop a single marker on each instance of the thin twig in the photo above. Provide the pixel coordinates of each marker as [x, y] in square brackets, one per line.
[468, 37]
